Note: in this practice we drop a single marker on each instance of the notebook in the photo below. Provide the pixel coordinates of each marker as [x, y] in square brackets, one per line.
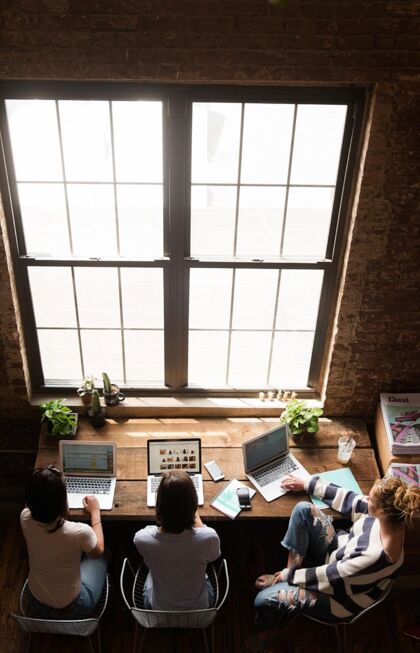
[168, 455]
[267, 459]
[89, 468]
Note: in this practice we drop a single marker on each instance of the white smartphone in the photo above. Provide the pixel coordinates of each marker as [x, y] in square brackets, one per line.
[214, 470]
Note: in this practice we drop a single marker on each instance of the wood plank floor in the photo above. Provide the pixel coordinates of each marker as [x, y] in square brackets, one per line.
[250, 549]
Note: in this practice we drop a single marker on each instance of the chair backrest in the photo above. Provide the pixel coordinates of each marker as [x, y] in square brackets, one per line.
[351, 620]
[172, 618]
[79, 627]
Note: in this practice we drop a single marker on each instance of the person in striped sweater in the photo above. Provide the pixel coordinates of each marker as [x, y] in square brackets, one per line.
[333, 574]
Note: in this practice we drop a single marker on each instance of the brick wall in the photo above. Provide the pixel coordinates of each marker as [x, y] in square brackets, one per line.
[237, 41]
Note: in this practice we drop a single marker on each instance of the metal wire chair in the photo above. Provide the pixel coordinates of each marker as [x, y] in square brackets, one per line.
[78, 627]
[194, 619]
[341, 625]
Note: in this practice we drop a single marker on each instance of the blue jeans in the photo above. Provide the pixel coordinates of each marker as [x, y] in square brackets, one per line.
[309, 535]
[92, 576]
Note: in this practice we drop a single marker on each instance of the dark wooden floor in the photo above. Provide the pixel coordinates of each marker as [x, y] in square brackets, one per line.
[250, 549]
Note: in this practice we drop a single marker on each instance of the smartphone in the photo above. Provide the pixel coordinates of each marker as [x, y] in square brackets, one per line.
[244, 498]
[214, 470]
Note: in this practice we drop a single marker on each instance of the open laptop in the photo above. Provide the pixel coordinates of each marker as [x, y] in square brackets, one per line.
[89, 468]
[267, 459]
[171, 455]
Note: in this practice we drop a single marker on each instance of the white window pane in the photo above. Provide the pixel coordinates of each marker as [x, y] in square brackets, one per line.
[266, 143]
[138, 140]
[260, 222]
[255, 296]
[44, 218]
[210, 298]
[60, 355]
[144, 356]
[92, 217]
[292, 353]
[35, 143]
[308, 221]
[317, 144]
[212, 220]
[97, 297]
[140, 219]
[207, 358]
[298, 304]
[215, 142]
[86, 134]
[249, 356]
[102, 352]
[142, 297]
[52, 296]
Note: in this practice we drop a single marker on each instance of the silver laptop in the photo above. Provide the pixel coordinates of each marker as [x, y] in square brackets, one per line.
[267, 459]
[170, 455]
[89, 468]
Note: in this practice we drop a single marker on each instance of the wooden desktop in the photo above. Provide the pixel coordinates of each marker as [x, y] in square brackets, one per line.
[221, 440]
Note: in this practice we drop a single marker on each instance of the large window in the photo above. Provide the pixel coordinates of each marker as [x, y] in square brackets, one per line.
[177, 237]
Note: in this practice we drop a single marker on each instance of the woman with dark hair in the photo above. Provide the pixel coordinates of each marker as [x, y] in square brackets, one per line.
[66, 559]
[178, 550]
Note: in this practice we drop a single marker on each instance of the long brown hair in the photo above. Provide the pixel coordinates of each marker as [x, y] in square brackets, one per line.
[176, 502]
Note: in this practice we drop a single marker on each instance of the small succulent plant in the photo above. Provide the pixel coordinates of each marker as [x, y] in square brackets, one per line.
[107, 382]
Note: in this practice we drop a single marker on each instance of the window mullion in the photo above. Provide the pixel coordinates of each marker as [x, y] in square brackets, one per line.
[178, 140]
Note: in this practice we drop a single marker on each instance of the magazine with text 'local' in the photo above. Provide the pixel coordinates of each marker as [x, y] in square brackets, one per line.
[401, 415]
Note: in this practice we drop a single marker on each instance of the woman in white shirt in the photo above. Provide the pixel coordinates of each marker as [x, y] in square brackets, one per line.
[66, 559]
[178, 550]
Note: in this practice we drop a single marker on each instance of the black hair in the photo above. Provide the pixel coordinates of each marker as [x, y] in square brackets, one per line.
[46, 496]
[176, 502]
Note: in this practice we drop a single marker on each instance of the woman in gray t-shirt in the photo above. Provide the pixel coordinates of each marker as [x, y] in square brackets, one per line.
[178, 549]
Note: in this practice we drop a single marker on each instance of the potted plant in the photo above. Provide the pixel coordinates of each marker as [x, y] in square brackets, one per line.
[61, 421]
[96, 412]
[112, 394]
[86, 390]
[300, 417]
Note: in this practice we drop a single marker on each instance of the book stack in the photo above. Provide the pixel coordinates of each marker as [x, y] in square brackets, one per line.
[401, 416]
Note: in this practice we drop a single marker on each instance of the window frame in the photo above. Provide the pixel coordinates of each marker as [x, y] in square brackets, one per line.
[177, 103]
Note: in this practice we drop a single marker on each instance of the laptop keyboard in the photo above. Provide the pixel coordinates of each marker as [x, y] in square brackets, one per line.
[77, 485]
[274, 471]
[157, 479]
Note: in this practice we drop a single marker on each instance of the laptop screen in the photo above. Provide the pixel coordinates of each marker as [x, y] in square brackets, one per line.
[266, 447]
[166, 455]
[88, 459]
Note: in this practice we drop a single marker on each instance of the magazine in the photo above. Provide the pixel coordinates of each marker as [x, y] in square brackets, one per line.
[401, 415]
[343, 477]
[227, 500]
[409, 473]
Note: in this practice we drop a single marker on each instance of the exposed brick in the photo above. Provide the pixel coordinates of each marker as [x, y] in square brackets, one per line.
[250, 41]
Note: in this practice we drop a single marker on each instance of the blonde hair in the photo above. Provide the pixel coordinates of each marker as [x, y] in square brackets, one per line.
[398, 501]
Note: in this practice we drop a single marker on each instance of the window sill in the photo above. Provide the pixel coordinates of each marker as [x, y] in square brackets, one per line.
[181, 406]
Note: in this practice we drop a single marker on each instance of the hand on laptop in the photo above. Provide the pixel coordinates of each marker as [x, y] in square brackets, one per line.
[90, 503]
[293, 483]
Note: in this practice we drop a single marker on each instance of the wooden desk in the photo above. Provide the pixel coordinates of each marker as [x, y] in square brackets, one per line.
[221, 440]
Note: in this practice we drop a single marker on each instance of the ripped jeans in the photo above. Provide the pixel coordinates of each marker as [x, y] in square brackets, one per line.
[309, 535]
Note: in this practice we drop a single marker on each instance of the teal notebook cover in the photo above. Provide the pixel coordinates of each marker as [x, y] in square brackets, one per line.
[342, 477]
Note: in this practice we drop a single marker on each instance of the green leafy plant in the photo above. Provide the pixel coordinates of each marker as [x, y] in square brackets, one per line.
[300, 417]
[107, 382]
[61, 419]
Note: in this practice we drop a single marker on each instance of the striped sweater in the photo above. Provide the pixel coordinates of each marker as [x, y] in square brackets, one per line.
[356, 570]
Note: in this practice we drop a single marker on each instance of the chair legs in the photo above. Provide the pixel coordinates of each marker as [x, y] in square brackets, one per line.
[136, 636]
[341, 633]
